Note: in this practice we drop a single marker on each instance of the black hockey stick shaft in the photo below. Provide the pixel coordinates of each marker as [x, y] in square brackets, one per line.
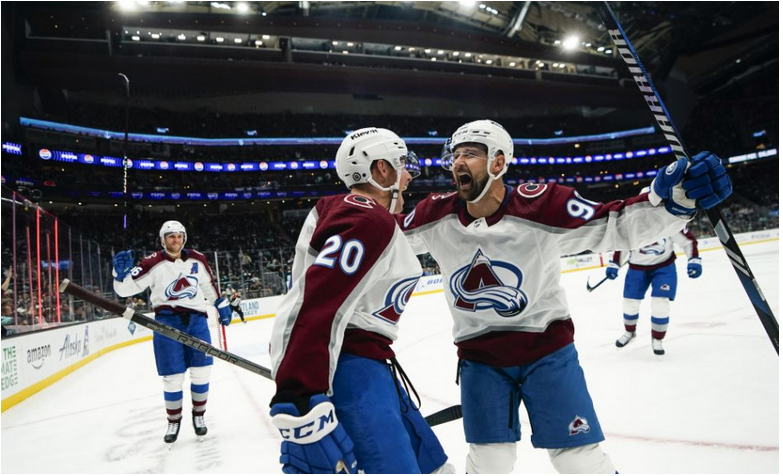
[126, 86]
[444, 416]
[673, 137]
[592, 288]
[162, 329]
[116, 308]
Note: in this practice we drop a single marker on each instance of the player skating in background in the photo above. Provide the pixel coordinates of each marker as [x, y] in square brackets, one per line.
[181, 288]
[653, 266]
[499, 250]
[342, 402]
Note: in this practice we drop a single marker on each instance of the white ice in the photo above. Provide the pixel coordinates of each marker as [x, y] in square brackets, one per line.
[710, 405]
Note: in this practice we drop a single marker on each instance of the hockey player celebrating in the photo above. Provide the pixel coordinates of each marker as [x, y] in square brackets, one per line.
[339, 404]
[181, 287]
[499, 250]
[653, 266]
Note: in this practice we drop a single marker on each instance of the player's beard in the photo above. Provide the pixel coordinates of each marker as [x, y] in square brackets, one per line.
[174, 252]
[476, 186]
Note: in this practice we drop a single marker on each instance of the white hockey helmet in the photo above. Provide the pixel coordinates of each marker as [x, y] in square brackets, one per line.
[172, 226]
[362, 147]
[488, 133]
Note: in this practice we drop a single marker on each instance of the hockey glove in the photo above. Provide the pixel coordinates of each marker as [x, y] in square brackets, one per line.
[315, 442]
[683, 187]
[706, 180]
[224, 311]
[694, 267]
[123, 263]
[611, 270]
[668, 187]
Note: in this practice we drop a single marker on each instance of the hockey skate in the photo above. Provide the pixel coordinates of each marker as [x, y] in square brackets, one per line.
[172, 432]
[199, 426]
[625, 339]
[657, 345]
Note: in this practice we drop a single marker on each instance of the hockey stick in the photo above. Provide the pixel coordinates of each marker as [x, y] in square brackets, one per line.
[444, 416]
[664, 120]
[75, 290]
[591, 288]
[162, 329]
[126, 86]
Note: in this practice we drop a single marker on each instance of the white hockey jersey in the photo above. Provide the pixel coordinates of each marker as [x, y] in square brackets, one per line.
[179, 284]
[501, 273]
[660, 253]
[352, 275]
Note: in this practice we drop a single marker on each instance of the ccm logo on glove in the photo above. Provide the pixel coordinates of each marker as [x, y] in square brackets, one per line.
[319, 422]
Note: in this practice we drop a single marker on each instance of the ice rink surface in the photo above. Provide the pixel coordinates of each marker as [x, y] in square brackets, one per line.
[710, 405]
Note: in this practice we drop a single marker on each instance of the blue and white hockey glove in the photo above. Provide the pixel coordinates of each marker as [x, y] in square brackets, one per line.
[684, 187]
[224, 311]
[694, 267]
[315, 442]
[668, 186]
[611, 270]
[123, 264]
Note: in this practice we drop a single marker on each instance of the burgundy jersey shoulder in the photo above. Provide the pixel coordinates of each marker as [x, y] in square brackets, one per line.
[561, 206]
[199, 256]
[430, 210]
[358, 216]
[147, 263]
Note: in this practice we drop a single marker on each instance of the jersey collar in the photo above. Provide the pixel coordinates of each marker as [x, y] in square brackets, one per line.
[168, 257]
[466, 218]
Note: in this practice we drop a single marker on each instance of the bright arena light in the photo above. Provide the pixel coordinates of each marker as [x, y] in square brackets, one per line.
[571, 43]
[126, 5]
[243, 7]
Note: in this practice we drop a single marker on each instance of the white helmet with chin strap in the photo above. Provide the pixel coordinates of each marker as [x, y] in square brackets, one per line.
[490, 134]
[362, 147]
[172, 226]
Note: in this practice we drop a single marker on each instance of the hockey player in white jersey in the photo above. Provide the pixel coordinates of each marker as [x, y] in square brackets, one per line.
[181, 288]
[340, 405]
[652, 266]
[499, 250]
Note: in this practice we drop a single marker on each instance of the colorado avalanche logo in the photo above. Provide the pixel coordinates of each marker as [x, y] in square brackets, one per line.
[657, 248]
[479, 286]
[184, 287]
[396, 300]
[578, 425]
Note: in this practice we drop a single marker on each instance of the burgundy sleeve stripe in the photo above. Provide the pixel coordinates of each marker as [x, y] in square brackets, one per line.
[694, 243]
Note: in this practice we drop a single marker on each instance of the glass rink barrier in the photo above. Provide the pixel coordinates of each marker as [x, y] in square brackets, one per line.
[38, 252]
